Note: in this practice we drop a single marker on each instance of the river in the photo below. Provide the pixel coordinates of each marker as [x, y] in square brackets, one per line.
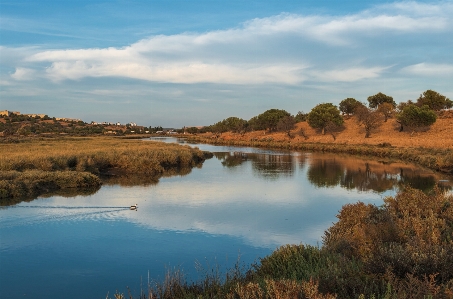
[239, 206]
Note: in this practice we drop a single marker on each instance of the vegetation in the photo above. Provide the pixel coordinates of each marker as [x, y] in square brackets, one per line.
[380, 98]
[349, 105]
[323, 116]
[269, 119]
[232, 124]
[369, 119]
[386, 109]
[72, 162]
[415, 117]
[286, 124]
[31, 183]
[403, 249]
[434, 100]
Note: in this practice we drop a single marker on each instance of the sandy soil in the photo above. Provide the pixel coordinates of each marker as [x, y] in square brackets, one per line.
[439, 135]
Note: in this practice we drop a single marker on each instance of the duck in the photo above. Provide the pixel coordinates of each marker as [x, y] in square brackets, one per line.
[134, 207]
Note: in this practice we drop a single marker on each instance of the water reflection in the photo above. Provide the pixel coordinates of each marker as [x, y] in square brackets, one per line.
[128, 180]
[264, 165]
[329, 170]
[71, 192]
[244, 202]
[364, 174]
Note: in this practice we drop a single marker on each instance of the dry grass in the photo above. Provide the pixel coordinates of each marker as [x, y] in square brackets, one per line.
[439, 135]
[97, 154]
[31, 167]
[432, 148]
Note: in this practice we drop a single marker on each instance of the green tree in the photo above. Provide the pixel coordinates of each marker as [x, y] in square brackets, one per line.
[234, 124]
[348, 105]
[300, 116]
[414, 117]
[434, 100]
[323, 115]
[378, 99]
[270, 118]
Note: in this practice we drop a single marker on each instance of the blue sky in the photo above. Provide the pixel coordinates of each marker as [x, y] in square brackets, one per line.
[190, 63]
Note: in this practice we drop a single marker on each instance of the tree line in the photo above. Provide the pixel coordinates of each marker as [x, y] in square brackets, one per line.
[327, 117]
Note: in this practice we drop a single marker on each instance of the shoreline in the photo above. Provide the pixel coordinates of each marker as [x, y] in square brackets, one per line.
[437, 159]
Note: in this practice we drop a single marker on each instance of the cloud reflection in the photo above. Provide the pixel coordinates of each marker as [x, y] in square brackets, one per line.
[264, 200]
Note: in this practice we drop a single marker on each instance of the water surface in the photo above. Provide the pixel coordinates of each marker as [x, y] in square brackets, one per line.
[241, 204]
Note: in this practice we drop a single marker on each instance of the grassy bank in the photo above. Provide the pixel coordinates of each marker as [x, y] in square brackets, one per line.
[403, 249]
[32, 166]
[434, 158]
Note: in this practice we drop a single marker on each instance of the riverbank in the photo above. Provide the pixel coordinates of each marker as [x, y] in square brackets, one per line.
[33, 166]
[431, 148]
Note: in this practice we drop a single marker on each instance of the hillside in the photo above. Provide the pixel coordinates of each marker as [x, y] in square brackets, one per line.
[439, 135]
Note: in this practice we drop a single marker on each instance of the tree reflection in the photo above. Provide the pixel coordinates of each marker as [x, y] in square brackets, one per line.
[264, 165]
[363, 175]
[365, 179]
[273, 166]
[325, 173]
[231, 160]
[417, 181]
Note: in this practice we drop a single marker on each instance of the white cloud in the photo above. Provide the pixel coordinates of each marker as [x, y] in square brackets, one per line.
[23, 74]
[283, 49]
[429, 69]
[350, 74]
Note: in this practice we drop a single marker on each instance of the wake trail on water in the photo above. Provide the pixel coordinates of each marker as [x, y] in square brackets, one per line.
[63, 213]
[68, 207]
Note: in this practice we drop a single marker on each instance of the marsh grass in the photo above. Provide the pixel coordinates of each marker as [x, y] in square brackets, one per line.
[30, 183]
[33, 166]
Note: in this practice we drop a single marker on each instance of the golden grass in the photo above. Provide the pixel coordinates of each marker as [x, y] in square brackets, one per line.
[31, 167]
[97, 154]
[432, 148]
[439, 135]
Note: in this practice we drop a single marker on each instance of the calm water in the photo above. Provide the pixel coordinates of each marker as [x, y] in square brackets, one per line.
[243, 203]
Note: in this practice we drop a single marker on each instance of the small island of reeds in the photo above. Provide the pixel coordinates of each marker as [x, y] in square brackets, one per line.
[33, 166]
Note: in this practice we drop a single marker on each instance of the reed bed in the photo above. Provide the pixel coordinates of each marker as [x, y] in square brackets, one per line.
[30, 183]
[69, 160]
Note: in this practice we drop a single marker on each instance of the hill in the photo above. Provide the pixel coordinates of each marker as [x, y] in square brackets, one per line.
[439, 135]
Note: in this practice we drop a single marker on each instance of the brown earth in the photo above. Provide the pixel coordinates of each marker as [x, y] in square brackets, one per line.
[439, 135]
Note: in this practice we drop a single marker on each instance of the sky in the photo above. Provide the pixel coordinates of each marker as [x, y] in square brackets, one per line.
[196, 62]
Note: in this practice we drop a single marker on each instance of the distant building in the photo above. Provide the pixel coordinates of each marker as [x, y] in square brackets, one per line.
[9, 113]
[34, 115]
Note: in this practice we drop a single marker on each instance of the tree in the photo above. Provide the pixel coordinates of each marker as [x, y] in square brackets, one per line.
[286, 124]
[378, 99]
[402, 105]
[323, 115]
[348, 105]
[434, 100]
[234, 124]
[300, 116]
[387, 110]
[270, 118]
[415, 117]
[369, 119]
